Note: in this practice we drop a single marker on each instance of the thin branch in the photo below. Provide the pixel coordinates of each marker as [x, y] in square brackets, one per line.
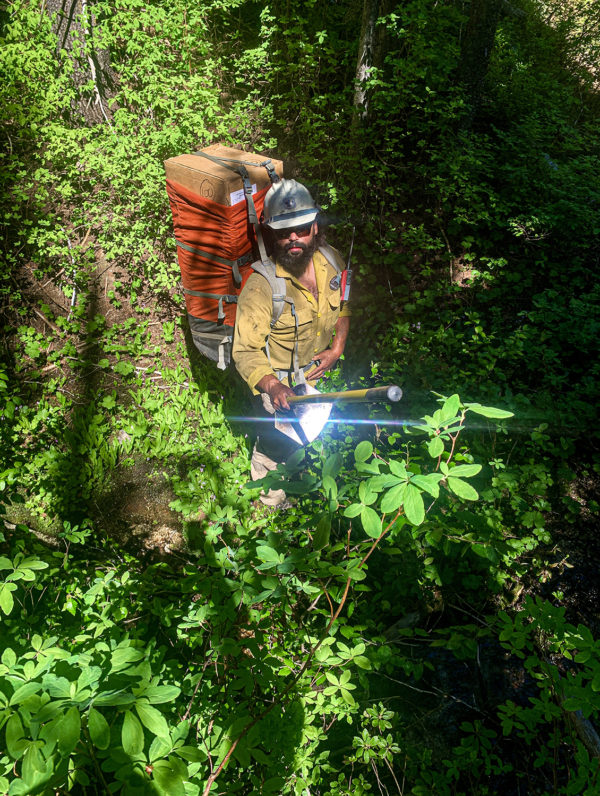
[86, 34]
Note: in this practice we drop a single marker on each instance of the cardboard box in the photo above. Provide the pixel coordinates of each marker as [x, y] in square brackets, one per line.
[212, 181]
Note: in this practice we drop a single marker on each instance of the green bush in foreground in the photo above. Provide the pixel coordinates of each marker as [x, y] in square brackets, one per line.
[242, 666]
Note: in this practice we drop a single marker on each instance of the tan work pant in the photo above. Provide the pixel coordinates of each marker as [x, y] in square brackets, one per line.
[261, 464]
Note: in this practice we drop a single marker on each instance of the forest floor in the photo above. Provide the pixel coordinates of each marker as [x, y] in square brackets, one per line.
[134, 506]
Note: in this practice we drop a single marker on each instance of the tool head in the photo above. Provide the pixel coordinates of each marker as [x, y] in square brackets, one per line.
[305, 421]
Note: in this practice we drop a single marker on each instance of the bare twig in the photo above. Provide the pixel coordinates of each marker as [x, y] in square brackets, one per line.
[50, 281]
[46, 321]
[86, 34]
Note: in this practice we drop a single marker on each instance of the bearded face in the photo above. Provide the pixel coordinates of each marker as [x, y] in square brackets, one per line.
[294, 248]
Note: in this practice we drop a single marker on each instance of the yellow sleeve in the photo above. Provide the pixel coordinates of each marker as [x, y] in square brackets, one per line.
[252, 327]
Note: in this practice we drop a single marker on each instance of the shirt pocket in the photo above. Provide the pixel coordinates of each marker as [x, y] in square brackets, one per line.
[332, 310]
[284, 331]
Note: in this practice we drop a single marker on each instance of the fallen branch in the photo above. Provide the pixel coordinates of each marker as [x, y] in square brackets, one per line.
[53, 326]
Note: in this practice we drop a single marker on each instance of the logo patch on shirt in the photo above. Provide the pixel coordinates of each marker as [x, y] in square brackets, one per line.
[335, 282]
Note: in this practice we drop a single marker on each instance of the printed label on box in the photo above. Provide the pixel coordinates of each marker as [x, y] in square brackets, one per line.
[238, 196]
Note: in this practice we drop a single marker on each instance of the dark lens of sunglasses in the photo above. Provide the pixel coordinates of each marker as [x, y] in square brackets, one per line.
[301, 232]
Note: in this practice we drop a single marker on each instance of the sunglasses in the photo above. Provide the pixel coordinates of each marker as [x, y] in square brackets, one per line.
[301, 232]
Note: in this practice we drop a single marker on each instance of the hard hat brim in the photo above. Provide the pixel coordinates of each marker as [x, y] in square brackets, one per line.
[299, 218]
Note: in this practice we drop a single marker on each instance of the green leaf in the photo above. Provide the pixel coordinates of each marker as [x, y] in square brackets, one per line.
[450, 409]
[379, 483]
[428, 483]
[414, 508]
[363, 451]
[18, 787]
[353, 510]
[373, 467]
[132, 735]
[23, 692]
[9, 657]
[98, 729]
[462, 489]
[332, 466]
[354, 571]
[371, 522]
[274, 785]
[33, 765]
[392, 500]
[366, 494]
[123, 656]
[114, 698]
[398, 468]
[152, 719]
[124, 368]
[330, 487]
[15, 740]
[159, 748]
[302, 487]
[168, 778]
[6, 599]
[489, 411]
[266, 553]
[193, 754]
[34, 563]
[296, 459]
[322, 532]
[69, 731]
[5, 563]
[435, 447]
[158, 694]
[465, 470]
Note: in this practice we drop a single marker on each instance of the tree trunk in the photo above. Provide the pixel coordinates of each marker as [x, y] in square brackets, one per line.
[370, 55]
[76, 15]
[476, 49]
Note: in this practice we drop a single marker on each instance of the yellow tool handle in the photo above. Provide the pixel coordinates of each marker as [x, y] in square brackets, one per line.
[390, 393]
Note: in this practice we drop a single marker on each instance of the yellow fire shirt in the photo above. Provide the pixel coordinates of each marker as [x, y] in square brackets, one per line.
[316, 322]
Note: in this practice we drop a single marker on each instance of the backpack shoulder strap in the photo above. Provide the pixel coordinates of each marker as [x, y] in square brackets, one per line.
[332, 257]
[266, 268]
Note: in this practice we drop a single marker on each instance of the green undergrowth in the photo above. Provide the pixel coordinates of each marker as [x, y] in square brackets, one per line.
[383, 635]
[118, 407]
[275, 655]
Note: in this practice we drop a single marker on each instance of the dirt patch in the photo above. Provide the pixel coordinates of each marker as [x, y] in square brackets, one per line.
[135, 511]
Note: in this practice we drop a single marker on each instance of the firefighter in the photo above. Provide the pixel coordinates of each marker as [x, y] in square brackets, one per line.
[309, 336]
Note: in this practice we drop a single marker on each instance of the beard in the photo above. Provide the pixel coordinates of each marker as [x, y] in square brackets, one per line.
[295, 264]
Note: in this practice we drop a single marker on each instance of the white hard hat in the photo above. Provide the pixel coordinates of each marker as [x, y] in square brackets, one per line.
[289, 204]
